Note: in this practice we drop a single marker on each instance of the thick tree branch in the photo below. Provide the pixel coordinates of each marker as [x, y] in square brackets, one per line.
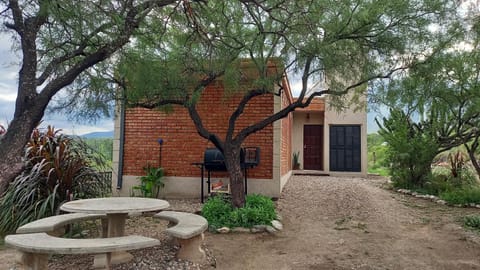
[18, 24]
[301, 102]
[80, 51]
[240, 108]
[305, 76]
[202, 131]
[131, 23]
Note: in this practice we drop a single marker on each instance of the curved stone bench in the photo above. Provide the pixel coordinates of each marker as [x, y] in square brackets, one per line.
[36, 247]
[54, 225]
[188, 231]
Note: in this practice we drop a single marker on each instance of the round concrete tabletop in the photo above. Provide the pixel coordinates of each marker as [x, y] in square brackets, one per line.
[114, 205]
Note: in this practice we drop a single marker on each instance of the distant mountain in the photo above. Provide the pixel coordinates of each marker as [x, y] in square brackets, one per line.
[97, 135]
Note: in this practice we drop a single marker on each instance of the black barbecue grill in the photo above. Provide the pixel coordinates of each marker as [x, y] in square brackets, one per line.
[213, 160]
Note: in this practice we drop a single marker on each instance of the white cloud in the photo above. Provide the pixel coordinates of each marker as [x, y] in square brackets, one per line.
[11, 97]
[7, 91]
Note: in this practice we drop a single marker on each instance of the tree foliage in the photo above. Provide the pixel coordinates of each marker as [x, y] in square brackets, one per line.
[103, 148]
[443, 92]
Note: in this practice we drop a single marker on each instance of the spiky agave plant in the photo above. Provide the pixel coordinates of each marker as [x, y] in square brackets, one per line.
[57, 167]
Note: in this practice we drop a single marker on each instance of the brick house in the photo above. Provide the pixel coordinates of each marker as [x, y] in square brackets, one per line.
[327, 142]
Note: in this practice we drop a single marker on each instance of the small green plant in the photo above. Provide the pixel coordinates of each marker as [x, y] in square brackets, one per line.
[462, 196]
[151, 183]
[296, 160]
[258, 210]
[217, 211]
[472, 221]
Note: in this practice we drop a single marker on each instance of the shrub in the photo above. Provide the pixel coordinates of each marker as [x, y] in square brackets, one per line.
[438, 183]
[443, 181]
[217, 211]
[258, 210]
[462, 195]
[472, 221]
[411, 149]
[57, 169]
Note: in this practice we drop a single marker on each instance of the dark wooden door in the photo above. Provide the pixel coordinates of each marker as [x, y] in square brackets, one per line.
[313, 147]
[345, 149]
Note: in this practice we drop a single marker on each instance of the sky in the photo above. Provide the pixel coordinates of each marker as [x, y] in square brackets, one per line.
[9, 68]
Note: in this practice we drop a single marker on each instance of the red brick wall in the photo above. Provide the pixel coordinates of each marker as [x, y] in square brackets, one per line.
[182, 144]
[286, 140]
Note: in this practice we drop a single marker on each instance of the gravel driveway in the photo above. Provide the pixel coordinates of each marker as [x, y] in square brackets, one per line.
[329, 223]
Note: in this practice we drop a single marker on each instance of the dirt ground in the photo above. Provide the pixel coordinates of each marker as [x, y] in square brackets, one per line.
[344, 223]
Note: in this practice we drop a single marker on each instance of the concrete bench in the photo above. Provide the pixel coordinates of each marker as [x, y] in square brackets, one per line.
[188, 231]
[36, 247]
[55, 225]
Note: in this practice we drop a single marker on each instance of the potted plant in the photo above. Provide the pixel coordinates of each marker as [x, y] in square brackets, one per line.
[151, 183]
[296, 162]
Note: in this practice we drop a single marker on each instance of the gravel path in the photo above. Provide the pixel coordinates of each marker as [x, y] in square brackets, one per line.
[329, 223]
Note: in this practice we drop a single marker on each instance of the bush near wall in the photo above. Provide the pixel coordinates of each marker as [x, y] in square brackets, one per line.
[258, 210]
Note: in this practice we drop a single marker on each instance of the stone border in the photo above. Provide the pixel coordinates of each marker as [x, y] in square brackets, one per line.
[435, 199]
[273, 228]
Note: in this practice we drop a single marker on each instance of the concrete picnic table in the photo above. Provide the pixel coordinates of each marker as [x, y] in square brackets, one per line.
[117, 210]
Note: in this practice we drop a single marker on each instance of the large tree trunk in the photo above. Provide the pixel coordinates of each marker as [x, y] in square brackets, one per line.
[232, 162]
[12, 145]
[471, 153]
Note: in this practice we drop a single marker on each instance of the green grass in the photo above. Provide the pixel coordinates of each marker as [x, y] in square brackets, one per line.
[379, 170]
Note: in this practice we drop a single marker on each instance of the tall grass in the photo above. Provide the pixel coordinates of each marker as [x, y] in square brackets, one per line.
[57, 169]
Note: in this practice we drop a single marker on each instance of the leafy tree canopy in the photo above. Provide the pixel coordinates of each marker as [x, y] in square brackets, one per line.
[352, 42]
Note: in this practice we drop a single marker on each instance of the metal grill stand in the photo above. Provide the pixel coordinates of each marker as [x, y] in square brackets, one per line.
[214, 161]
